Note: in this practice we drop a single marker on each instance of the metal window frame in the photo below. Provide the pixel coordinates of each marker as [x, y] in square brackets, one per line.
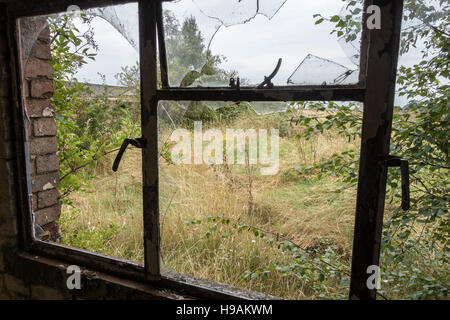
[351, 92]
[376, 89]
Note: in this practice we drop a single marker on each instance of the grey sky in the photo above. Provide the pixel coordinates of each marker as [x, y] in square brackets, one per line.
[252, 48]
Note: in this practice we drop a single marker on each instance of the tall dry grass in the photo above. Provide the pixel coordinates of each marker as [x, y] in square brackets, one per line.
[106, 216]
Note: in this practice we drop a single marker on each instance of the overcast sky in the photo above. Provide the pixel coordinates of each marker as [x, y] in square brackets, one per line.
[252, 48]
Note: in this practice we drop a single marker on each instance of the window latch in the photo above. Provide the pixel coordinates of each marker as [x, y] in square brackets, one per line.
[267, 83]
[235, 83]
[138, 143]
[395, 161]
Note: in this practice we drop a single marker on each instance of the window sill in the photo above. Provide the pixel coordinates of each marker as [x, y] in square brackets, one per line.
[51, 273]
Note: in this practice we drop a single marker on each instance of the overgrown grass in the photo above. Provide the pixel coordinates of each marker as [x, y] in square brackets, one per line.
[106, 216]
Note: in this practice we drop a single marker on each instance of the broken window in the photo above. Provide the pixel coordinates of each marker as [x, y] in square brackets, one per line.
[233, 185]
[257, 74]
[205, 46]
[239, 201]
[315, 70]
[77, 200]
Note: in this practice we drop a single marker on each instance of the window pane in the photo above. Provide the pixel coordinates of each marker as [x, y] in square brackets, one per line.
[81, 92]
[242, 185]
[209, 42]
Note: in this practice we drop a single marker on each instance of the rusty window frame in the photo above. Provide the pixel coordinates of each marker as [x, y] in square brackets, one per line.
[378, 65]
[351, 92]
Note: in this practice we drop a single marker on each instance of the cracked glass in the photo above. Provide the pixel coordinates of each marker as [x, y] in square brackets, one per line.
[209, 43]
[76, 126]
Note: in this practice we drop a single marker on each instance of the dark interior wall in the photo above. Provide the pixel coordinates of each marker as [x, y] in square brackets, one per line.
[8, 220]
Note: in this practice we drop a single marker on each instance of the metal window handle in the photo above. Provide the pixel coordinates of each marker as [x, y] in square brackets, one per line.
[138, 143]
[267, 83]
[394, 161]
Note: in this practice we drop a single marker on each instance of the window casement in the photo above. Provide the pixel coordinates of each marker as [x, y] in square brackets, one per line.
[374, 87]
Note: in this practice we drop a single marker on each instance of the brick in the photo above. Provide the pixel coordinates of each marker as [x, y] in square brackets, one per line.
[44, 127]
[47, 163]
[34, 202]
[41, 24]
[44, 145]
[41, 50]
[47, 215]
[41, 88]
[54, 230]
[40, 108]
[45, 34]
[48, 198]
[45, 182]
[38, 68]
[26, 88]
[29, 132]
[32, 165]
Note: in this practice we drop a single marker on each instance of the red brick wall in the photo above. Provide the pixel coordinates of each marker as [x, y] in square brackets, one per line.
[38, 88]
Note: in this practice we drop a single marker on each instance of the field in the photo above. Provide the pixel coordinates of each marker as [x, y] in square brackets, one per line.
[204, 208]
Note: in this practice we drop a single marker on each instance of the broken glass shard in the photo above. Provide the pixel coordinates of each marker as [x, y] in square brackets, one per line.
[168, 190]
[351, 49]
[30, 30]
[319, 71]
[124, 18]
[270, 7]
[351, 41]
[229, 12]
[170, 116]
[234, 12]
[243, 38]
[263, 108]
[171, 113]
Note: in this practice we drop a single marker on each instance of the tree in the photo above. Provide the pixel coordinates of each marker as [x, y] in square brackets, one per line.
[415, 252]
[88, 125]
[189, 59]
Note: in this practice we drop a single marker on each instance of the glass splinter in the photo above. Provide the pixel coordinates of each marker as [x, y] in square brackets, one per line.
[314, 69]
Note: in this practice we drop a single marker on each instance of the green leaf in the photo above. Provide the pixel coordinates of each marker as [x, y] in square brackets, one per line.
[335, 18]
